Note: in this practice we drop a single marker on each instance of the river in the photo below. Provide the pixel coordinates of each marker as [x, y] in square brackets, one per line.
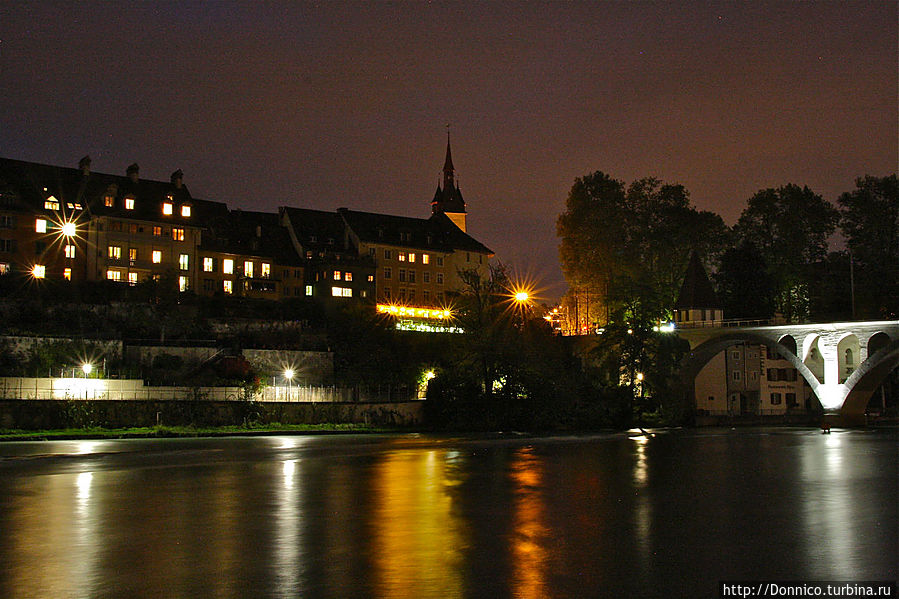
[417, 516]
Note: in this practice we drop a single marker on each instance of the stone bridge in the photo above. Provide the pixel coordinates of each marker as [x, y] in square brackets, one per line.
[844, 363]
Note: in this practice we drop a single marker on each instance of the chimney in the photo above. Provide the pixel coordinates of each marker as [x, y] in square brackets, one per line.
[132, 172]
[85, 165]
[177, 178]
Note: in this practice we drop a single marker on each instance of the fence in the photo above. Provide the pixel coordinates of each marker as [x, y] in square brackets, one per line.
[134, 389]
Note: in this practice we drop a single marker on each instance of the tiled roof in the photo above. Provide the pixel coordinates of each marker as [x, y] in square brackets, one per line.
[696, 291]
[435, 233]
[253, 234]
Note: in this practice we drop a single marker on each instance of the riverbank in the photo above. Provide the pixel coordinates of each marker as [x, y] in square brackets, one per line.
[151, 432]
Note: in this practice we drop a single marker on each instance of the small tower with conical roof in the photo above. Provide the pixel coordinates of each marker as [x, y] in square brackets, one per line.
[448, 199]
[697, 304]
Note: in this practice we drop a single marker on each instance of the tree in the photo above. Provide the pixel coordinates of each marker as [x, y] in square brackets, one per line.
[615, 239]
[745, 288]
[869, 218]
[790, 227]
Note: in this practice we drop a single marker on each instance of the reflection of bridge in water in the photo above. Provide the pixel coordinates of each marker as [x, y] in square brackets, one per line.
[843, 363]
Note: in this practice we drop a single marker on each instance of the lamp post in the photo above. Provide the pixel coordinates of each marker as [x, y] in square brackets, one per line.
[288, 374]
[87, 368]
[522, 298]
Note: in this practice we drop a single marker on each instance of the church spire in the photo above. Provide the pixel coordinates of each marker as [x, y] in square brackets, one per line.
[448, 170]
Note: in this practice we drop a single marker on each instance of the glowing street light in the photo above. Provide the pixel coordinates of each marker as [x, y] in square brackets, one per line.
[521, 296]
[430, 375]
[289, 374]
[69, 229]
[87, 368]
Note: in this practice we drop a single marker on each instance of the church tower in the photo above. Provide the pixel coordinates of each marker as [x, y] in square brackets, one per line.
[448, 199]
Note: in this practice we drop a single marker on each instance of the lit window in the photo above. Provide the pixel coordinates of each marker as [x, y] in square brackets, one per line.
[157, 231]
[177, 234]
[115, 252]
[207, 265]
[167, 208]
[347, 276]
[341, 292]
[425, 259]
[185, 211]
[108, 201]
[129, 203]
[51, 204]
[183, 262]
[78, 206]
[40, 225]
[347, 292]
[248, 269]
[336, 276]
[371, 278]
[113, 275]
[401, 256]
[266, 270]
[228, 286]
[67, 274]
[39, 271]
[70, 251]
[228, 266]
[157, 256]
[308, 289]
[411, 257]
[183, 283]
[132, 278]
[132, 254]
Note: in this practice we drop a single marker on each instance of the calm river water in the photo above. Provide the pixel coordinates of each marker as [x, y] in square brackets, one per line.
[426, 516]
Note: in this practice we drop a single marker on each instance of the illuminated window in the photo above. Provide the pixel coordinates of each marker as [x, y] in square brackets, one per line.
[341, 292]
[336, 276]
[39, 271]
[40, 225]
[248, 269]
[183, 262]
[132, 255]
[347, 292]
[308, 289]
[167, 208]
[132, 278]
[185, 211]
[157, 256]
[228, 266]
[208, 265]
[108, 201]
[183, 283]
[129, 203]
[67, 274]
[157, 231]
[177, 234]
[228, 286]
[371, 278]
[401, 256]
[411, 257]
[347, 276]
[113, 275]
[115, 252]
[70, 251]
[51, 203]
[425, 259]
[266, 270]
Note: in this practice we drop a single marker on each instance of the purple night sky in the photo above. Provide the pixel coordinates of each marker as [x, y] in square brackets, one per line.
[331, 104]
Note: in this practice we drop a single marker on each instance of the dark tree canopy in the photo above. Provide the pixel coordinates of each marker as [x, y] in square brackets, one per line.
[869, 217]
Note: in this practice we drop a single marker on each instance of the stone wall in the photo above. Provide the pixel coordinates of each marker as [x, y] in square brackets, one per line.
[52, 414]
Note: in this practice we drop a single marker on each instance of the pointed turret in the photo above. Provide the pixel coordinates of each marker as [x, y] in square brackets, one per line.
[697, 302]
[448, 199]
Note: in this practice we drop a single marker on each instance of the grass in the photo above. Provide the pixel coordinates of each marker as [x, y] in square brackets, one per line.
[186, 431]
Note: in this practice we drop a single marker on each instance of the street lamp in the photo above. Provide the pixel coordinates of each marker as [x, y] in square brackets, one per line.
[288, 374]
[87, 368]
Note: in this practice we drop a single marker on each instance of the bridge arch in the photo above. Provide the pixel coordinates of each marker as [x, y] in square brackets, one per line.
[869, 376]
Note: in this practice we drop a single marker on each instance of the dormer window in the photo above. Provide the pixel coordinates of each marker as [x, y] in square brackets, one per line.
[109, 201]
[129, 203]
[185, 211]
[167, 208]
[51, 203]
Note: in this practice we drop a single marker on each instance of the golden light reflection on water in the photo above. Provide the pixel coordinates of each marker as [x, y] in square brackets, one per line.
[530, 533]
[417, 536]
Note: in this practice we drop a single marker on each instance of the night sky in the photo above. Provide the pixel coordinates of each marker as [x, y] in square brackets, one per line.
[327, 105]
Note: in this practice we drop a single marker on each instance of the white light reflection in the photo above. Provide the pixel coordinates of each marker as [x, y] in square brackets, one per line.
[86, 534]
[289, 562]
[84, 487]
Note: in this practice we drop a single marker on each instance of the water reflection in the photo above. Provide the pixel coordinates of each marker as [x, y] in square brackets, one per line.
[288, 544]
[417, 538]
[529, 534]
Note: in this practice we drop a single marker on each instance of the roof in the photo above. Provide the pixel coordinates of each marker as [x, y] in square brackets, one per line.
[437, 233]
[696, 291]
[253, 234]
